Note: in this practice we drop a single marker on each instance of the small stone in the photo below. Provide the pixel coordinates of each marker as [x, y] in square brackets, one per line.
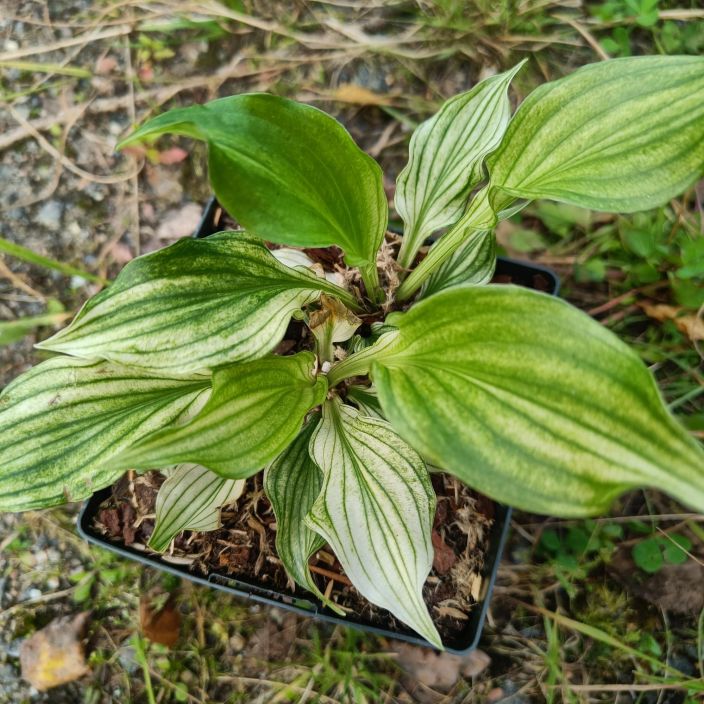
[237, 642]
[49, 215]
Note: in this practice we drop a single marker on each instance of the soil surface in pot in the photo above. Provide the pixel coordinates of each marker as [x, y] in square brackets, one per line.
[244, 548]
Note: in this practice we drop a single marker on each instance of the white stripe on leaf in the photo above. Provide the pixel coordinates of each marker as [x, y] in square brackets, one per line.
[446, 159]
[618, 136]
[292, 483]
[256, 409]
[194, 305]
[63, 423]
[191, 499]
[376, 511]
[530, 401]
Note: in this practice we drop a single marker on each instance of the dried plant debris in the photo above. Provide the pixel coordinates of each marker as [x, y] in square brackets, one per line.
[244, 549]
[55, 655]
[159, 618]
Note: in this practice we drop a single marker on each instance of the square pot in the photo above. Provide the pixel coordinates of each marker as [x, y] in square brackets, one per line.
[522, 273]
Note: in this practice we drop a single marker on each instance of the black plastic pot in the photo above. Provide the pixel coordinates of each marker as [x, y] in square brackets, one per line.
[521, 273]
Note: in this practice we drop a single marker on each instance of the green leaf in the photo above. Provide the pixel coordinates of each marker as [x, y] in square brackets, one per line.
[194, 305]
[190, 499]
[472, 264]
[256, 409]
[292, 483]
[366, 399]
[287, 172]
[675, 548]
[376, 511]
[530, 401]
[620, 135]
[62, 422]
[446, 159]
[648, 555]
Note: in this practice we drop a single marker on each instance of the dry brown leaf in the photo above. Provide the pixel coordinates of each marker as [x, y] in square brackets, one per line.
[675, 588]
[688, 323]
[55, 655]
[359, 95]
[161, 625]
[439, 671]
[444, 556]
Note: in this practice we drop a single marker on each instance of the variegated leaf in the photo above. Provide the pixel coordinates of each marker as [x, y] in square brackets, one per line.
[366, 399]
[63, 422]
[256, 409]
[292, 257]
[472, 264]
[531, 402]
[619, 135]
[288, 172]
[376, 511]
[292, 483]
[446, 160]
[194, 305]
[190, 499]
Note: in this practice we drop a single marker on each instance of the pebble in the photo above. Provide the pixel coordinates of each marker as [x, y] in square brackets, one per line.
[126, 658]
[49, 215]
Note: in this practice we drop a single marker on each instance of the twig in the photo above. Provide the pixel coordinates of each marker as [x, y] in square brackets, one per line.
[330, 575]
[154, 98]
[134, 181]
[51, 596]
[588, 37]
[73, 41]
[18, 282]
[65, 161]
[625, 687]
[272, 683]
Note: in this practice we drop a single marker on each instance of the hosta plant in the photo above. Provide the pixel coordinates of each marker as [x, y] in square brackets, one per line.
[177, 365]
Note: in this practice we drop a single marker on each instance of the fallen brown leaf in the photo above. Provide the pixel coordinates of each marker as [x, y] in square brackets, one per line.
[159, 625]
[439, 671]
[688, 323]
[444, 557]
[675, 588]
[55, 655]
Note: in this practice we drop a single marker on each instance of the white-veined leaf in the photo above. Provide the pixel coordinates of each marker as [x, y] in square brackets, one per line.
[376, 511]
[446, 159]
[531, 402]
[292, 257]
[256, 409]
[288, 172]
[620, 135]
[194, 305]
[65, 420]
[292, 483]
[366, 399]
[472, 264]
[190, 499]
